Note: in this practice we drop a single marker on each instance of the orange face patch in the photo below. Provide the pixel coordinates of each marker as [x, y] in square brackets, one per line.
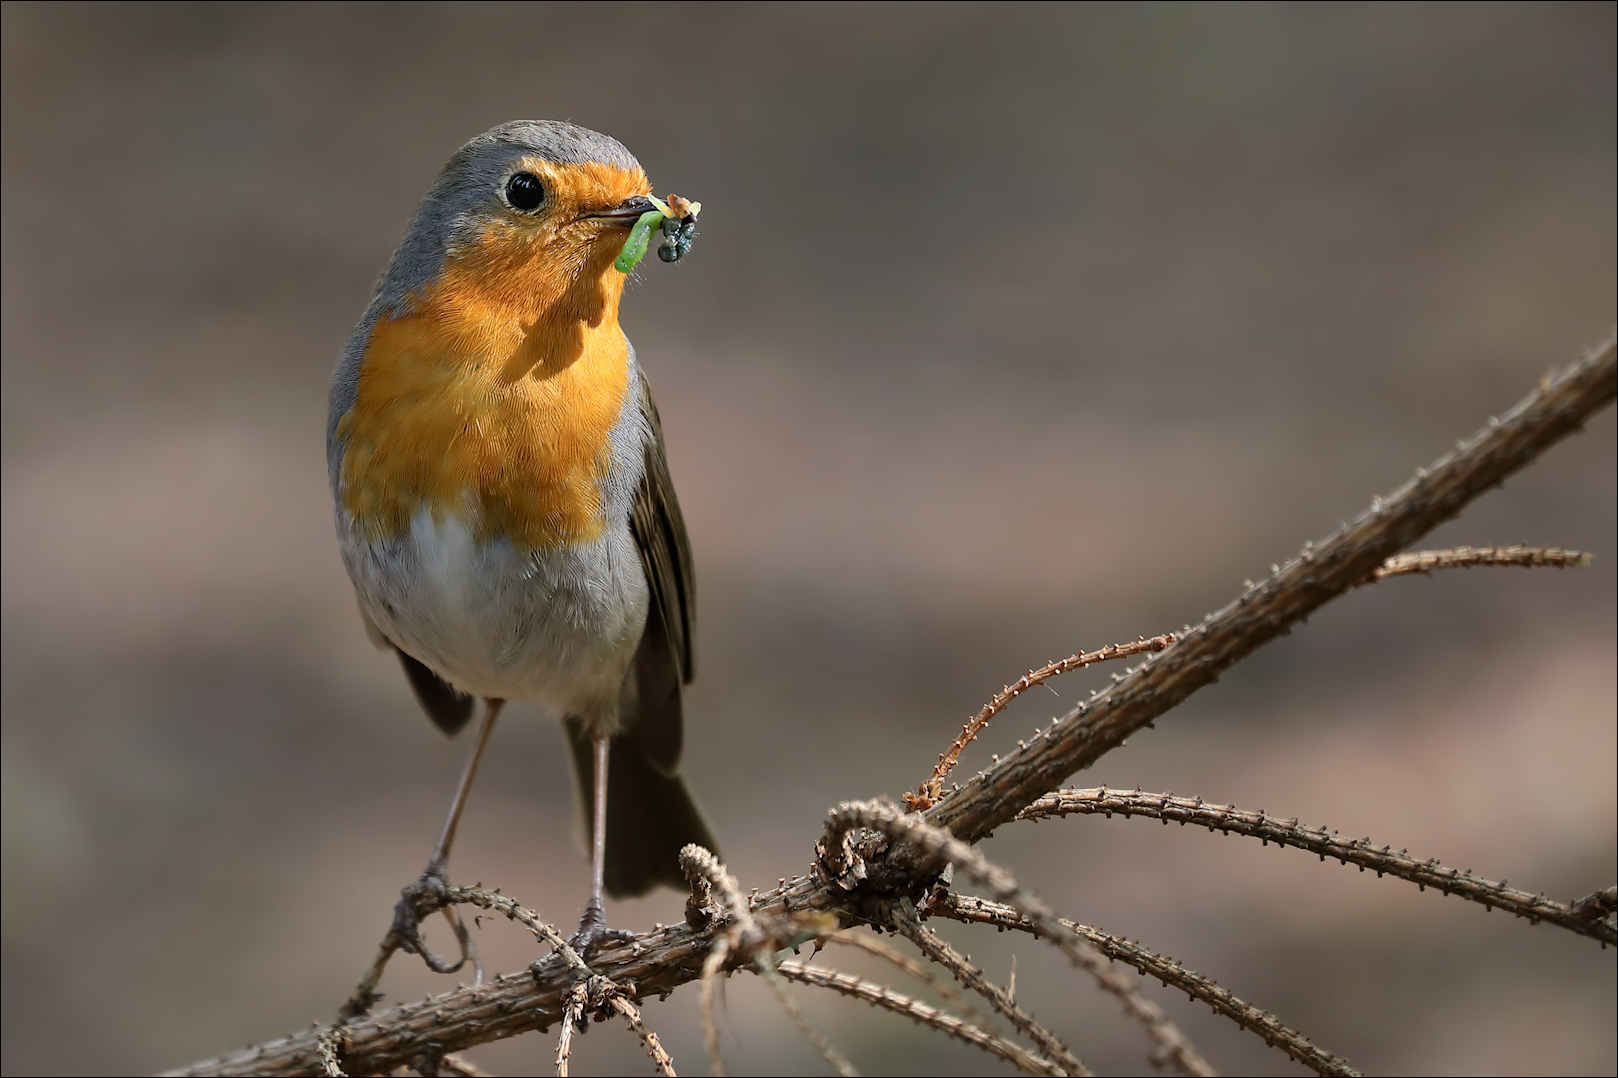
[493, 400]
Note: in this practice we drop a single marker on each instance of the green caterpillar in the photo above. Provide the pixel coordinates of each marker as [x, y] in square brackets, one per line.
[639, 236]
[635, 246]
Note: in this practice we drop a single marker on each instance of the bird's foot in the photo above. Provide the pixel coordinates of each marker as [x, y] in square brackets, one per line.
[418, 901]
[593, 931]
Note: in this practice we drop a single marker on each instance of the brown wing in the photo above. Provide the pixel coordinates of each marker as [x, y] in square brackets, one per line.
[664, 660]
[665, 552]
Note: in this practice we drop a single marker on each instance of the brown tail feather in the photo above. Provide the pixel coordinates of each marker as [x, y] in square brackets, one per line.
[650, 815]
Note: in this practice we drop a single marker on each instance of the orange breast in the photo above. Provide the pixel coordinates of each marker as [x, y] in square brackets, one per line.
[492, 405]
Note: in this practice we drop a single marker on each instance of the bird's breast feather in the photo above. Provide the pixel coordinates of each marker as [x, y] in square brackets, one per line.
[440, 421]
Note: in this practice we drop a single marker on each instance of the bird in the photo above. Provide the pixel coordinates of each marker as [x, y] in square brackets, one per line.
[502, 496]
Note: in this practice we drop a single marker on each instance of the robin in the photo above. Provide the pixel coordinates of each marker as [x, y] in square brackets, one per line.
[503, 499]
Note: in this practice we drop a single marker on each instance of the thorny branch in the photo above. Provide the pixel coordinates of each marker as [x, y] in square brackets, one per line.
[601, 997]
[933, 788]
[970, 910]
[365, 996]
[328, 1053]
[943, 1021]
[659, 961]
[1558, 407]
[749, 942]
[572, 1019]
[1465, 557]
[1424, 562]
[499, 903]
[654, 1047]
[841, 859]
[874, 945]
[1359, 851]
[928, 943]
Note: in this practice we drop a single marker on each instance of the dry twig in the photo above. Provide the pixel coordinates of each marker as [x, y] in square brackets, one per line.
[751, 945]
[661, 960]
[970, 910]
[545, 933]
[590, 991]
[328, 1051]
[600, 996]
[1172, 1045]
[1426, 562]
[1598, 904]
[654, 1047]
[887, 998]
[933, 788]
[572, 1018]
[841, 860]
[711, 967]
[461, 1068]
[1384, 860]
[874, 946]
[365, 996]
[1560, 406]
[964, 971]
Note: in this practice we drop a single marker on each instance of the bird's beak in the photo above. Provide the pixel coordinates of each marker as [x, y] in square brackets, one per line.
[625, 214]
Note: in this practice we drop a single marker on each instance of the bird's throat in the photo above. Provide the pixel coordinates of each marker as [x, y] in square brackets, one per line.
[493, 405]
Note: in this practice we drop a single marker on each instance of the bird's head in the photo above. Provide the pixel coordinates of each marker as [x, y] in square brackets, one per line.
[523, 224]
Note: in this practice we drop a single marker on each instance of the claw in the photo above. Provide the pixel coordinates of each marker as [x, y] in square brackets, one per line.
[422, 899]
[593, 931]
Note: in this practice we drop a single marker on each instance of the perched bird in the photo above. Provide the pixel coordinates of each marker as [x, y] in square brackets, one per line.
[503, 501]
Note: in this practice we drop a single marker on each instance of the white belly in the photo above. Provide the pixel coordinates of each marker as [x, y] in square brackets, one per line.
[556, 627]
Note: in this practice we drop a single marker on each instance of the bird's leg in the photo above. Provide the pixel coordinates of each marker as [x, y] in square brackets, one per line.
[595, 916]
[593, 928]
[427, 894]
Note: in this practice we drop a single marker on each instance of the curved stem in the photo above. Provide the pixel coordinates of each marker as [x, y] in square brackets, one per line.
[1383, 861]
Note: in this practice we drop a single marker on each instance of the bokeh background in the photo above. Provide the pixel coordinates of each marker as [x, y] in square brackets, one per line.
[1011, 331]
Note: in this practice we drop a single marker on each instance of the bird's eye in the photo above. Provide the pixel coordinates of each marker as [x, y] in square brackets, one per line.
[524, 191]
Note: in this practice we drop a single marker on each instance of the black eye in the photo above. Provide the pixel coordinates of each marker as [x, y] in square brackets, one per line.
[524, 191]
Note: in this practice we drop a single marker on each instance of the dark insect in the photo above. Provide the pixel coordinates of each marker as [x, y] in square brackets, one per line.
[677, 237]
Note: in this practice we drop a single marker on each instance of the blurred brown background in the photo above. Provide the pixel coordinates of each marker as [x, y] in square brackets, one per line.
[1011, 331]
